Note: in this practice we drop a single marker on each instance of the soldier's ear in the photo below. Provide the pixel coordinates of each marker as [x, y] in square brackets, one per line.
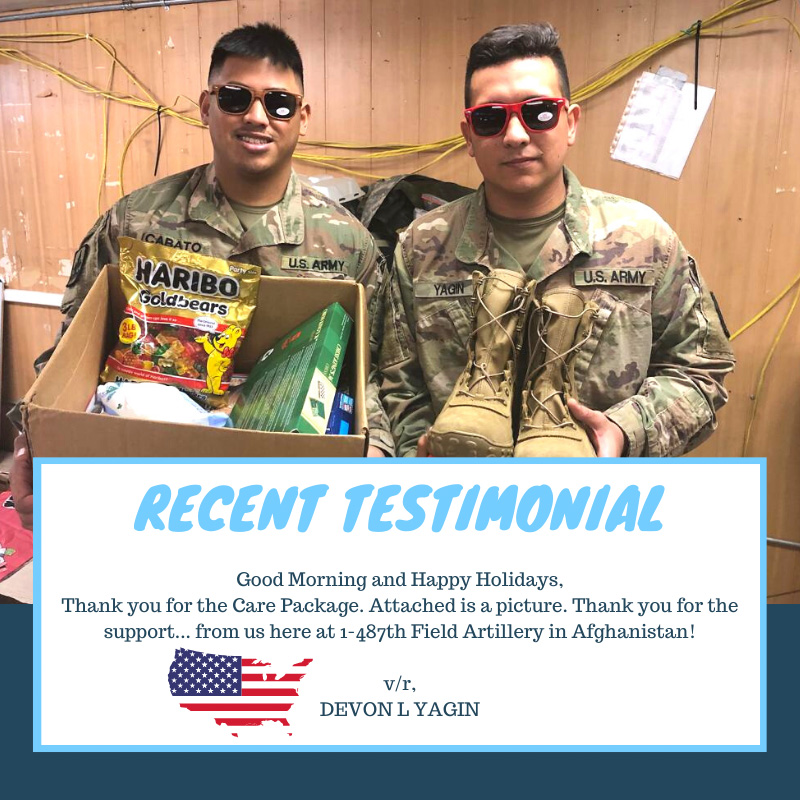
[466, 132]
[205, 103]
[573, 116]
[305, 116]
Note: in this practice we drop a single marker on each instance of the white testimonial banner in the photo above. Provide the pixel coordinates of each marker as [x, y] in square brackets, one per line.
[310, 604]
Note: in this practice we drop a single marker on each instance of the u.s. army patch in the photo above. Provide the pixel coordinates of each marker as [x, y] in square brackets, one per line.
[315, 264]
[462, 288]
[586, 276]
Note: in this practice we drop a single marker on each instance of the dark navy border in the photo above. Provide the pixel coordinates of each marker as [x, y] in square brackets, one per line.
[396, 775]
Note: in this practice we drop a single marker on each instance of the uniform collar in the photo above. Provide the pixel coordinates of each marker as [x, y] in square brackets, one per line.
[577, 216]
[476, 240]
[572, 236]
[282, 224]
[209, 205]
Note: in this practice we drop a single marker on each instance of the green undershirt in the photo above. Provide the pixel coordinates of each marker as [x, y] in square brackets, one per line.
[523, 239]
[249, 215]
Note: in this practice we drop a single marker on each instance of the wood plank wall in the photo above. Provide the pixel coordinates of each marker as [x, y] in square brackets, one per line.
[392, 70]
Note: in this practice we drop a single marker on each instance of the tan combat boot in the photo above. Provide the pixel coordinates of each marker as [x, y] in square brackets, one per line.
[476, 419]
[558, 326]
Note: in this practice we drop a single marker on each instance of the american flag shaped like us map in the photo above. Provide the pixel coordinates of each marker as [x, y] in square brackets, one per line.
[233, 691]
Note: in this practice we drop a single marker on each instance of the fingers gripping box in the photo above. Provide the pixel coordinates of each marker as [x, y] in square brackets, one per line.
[54, 414]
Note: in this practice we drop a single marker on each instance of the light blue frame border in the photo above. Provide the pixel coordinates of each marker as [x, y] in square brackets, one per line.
[37, 622]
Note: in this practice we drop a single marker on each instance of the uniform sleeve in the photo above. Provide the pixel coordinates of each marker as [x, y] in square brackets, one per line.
[98, 248]
[675, 408]
[372, 275]
[404, 392]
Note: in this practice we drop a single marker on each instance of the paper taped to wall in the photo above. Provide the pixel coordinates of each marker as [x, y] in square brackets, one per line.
[660, 124]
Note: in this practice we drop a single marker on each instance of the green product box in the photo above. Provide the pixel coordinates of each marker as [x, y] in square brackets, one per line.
[292, 386]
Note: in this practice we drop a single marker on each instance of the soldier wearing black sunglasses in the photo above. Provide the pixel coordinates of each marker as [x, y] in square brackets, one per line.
[608, 339]
[248, 205]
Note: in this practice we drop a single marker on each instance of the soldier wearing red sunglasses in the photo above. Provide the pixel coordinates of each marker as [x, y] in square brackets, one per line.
[645, 378]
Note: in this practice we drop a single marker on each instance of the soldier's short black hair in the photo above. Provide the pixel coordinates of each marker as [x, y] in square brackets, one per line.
[510, 42]
[258, 41]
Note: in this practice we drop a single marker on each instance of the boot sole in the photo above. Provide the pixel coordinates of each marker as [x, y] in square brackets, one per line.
[463, 445]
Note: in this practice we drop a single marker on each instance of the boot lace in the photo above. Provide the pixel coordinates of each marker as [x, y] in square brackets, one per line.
[543, 314]
[479, 372]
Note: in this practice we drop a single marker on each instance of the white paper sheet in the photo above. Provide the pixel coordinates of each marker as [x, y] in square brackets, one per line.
[660, 124]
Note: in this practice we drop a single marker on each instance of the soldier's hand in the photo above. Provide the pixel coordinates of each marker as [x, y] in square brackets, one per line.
[22, 481]
[375, 452]
[606, 436]
[422, 447]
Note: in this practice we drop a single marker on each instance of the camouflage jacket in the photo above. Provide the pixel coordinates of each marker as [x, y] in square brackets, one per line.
[657, 354]
[305, 235]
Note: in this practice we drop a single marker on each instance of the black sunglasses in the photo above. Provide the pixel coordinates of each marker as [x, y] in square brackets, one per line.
[232, 98]
[537, 115]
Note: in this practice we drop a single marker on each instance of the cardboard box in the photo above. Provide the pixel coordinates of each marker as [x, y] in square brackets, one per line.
[54, 414]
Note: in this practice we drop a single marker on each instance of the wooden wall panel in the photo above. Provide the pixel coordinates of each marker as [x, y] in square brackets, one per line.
[28, 328]
[48, 226]
[213, 19]
[676, 200]
[304, 21]
[385, 70]
[8, 264]
[252, 11]
[81, 118]
[741, 208]
[16, 110]
[146, 64]
[738, 204]
[348, 58]
[573, 19]
[180, 39]
[121, 31]
[395, 55]
[615, 28]
[777, 429]
[445, 41]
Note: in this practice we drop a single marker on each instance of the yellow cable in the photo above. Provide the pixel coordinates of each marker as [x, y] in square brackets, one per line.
[767, 308]
[764, 311]
[455, 147]
[378, 151]
[449, 145]
[629, 63]
[398, 150]
[394, 145]
[328, 165]
[66, 37]
[763, 372]
[333, 165]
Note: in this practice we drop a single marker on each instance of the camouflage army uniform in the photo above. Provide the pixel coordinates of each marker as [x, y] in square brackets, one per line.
[657, 354]
[305, 235]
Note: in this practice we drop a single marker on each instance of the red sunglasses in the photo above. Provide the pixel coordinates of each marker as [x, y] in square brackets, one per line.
[537, 114]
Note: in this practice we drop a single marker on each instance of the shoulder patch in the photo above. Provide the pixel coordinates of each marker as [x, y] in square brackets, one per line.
[78, 264]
